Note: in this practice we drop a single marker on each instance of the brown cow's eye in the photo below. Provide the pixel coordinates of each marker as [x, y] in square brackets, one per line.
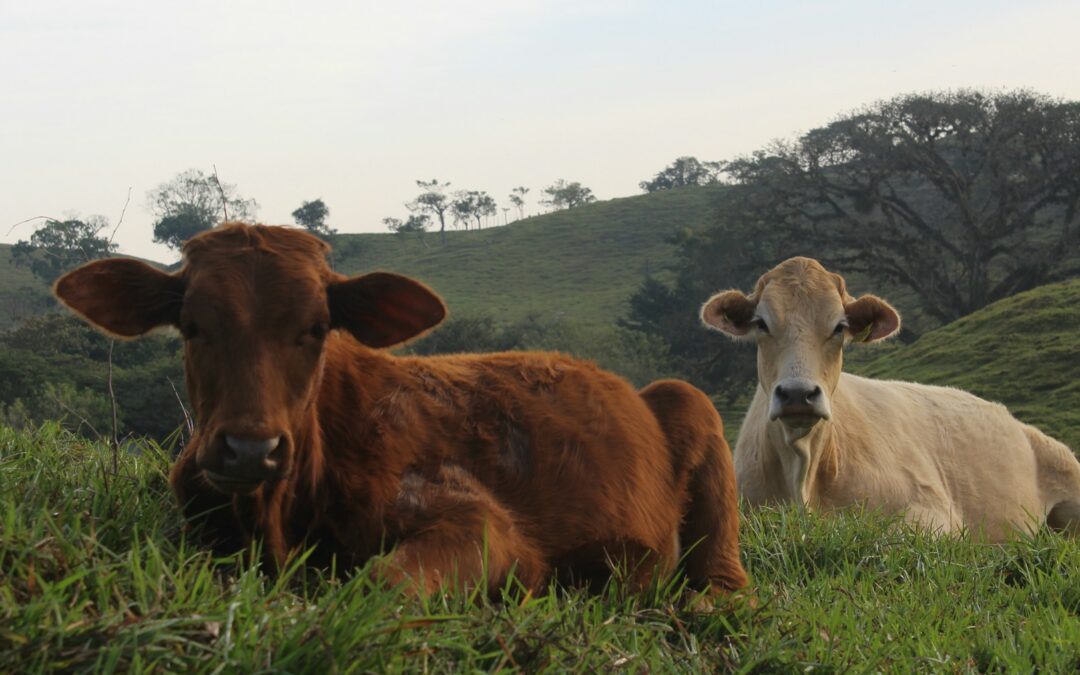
[840, 327]
[319, 330]
[760, 324]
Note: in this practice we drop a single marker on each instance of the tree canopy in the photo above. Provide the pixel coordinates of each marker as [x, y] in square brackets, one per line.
[61, 245]
[564, 195]
[415, 223]
[192, 202]
[517, 198]
[432, 201]
[684, 172]
[963, 197]
[312, 216]
[473, 204]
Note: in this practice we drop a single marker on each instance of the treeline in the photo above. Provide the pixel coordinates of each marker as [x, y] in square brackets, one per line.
[56, 367]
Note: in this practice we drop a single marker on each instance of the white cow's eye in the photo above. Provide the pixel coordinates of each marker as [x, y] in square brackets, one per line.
[761, 325]
[840, 327]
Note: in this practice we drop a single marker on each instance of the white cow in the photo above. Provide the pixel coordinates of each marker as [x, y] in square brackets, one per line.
[948, 460]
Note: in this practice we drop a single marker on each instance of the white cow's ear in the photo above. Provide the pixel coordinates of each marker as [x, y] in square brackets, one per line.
[729, 312]
[871, 319]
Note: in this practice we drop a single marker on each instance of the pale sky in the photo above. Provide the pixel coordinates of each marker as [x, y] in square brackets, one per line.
[354, 101]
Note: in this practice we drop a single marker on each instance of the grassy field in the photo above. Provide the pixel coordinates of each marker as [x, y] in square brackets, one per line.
[1023, 351]
[96, 575]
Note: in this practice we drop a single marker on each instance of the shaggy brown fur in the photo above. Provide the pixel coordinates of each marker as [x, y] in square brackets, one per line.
[463, 467]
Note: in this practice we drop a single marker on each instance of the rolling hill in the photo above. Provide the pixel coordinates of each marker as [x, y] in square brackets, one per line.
[580, 264]
[1023, 351]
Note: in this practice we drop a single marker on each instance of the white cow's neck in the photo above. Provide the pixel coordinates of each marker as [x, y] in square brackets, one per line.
[803, 456]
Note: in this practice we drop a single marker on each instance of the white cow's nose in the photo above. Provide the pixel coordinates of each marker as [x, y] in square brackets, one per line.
[798, 397]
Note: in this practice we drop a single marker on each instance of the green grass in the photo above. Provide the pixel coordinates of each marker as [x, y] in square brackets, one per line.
[1023, 351]
[96, 575]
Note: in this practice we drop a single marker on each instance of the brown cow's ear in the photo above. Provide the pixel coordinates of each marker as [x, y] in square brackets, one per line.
[383, 309]
[871, 319]
[122, 296]
[730, 312]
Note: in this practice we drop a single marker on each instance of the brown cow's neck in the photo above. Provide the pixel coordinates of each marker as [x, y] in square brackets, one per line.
[355, 474]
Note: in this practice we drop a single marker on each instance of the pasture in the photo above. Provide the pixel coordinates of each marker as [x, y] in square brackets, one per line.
[97, 574]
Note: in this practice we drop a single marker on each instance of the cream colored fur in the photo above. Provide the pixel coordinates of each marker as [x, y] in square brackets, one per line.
[946, 459]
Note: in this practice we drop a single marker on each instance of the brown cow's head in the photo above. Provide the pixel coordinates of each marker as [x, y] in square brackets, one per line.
[255, 305]
[801, 316]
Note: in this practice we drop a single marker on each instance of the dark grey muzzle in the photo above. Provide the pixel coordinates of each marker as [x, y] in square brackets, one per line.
[797, 397]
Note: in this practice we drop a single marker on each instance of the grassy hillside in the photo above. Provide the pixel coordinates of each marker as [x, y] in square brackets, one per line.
[96, 575]
[1023, 351]
[580, 264]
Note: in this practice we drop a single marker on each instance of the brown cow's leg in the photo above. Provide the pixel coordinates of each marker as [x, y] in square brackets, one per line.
[454, 533]
[705, 472]
[711, 525]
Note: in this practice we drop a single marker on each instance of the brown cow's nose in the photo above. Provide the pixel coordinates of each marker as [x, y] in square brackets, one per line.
[798, 397]
[250, 456]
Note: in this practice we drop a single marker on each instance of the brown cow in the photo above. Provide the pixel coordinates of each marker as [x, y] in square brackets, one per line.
[467, 466]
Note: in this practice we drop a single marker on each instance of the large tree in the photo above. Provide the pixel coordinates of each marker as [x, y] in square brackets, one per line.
[683, 172]
[963, 197]
[192, 202]
[312, 216]
[564, 195]
[432, 201]
[60, 245]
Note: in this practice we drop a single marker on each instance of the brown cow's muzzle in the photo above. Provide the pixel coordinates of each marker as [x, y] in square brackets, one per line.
[238, 464]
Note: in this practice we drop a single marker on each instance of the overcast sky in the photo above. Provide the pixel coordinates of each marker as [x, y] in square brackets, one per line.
[353, 101]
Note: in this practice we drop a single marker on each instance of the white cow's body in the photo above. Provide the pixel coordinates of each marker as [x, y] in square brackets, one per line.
[944, 458]
[824, 439]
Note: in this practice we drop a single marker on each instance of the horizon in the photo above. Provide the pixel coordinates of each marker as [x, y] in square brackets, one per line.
[488, 96]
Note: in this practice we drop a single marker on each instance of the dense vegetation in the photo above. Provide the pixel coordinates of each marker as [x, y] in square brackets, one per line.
[97, 573]
[55, 367]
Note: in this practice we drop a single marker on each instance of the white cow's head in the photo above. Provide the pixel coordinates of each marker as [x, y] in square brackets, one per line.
[801, 316]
